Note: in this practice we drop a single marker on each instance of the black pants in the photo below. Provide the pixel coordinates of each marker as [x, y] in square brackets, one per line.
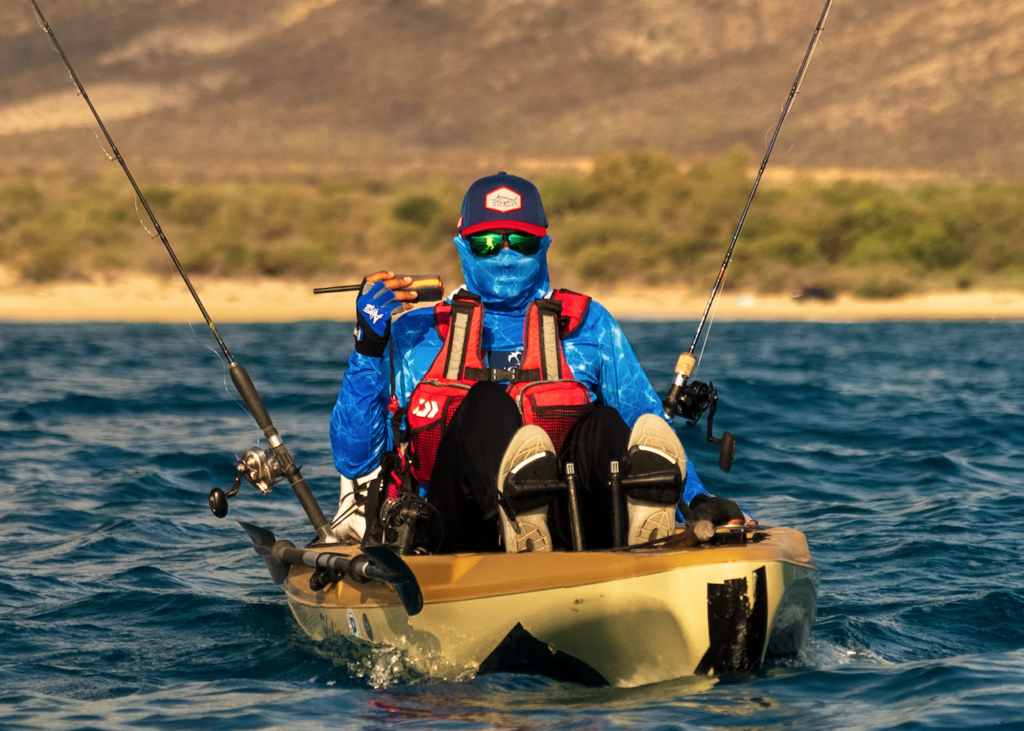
[464, 483]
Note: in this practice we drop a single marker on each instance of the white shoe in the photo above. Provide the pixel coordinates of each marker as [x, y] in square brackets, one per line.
[650, 521]
[529, 530]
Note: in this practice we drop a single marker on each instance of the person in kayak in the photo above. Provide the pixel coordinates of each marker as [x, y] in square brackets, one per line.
[507, 382]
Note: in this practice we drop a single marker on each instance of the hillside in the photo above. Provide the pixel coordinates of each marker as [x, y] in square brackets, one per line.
[257, 87]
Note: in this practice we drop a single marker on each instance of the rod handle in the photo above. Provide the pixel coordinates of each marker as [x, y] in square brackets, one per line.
[250, 396]
[429, 287]
[685, 365]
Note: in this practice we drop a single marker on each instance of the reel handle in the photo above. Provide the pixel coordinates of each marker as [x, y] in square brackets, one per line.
[219, 498]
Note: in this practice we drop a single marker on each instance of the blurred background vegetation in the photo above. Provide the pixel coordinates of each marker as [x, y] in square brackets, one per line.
[637, 218]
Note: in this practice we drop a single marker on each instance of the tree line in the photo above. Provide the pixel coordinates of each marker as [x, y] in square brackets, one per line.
[636, 218]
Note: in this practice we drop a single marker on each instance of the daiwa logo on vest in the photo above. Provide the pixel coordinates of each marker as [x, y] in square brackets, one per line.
[426, 409]
[373, 312]
[503, 200]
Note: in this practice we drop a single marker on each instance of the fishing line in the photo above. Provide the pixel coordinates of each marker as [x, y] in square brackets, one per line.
[53, 44]
[711, 323]
[139, 216]
[92, 128]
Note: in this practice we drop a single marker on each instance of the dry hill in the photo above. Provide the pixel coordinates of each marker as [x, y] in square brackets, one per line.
[247, 86]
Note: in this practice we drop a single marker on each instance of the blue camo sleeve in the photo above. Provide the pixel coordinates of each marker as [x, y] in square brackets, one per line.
[693, 485]
[603, 359]
[360, 426]
[359, 433]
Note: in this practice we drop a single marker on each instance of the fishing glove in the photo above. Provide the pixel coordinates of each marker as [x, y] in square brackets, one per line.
[716, 509]
[374, 308]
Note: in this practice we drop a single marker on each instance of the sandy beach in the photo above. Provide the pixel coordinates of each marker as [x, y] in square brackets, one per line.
[143, 298]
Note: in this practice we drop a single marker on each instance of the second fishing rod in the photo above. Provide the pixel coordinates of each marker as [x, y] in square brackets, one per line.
[692, 399]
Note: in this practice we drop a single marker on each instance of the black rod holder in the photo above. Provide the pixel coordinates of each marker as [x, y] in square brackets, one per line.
[574, 508]
[618, 508]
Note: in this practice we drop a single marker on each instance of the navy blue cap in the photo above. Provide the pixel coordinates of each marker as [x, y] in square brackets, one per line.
[503, 201]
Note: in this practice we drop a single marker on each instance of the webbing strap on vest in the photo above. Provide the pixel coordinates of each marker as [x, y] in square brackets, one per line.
[543, 359]
[462, 316]
[462, 354]
[548, 312]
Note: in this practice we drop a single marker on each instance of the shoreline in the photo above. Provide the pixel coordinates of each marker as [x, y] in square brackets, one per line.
[146, 298]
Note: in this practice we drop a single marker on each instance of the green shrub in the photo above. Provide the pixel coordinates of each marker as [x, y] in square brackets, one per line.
[882, 289]
[195, 207]
[789, 247]
[330, 212]
[564, 194]
[159, 197]
[932, 246]
[605, 264]
[22, 202]
[48, 262]
[200, 262]
[416, 209]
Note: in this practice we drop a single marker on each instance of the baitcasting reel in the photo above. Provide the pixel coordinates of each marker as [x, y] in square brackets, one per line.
[691, 401]
[258, 467]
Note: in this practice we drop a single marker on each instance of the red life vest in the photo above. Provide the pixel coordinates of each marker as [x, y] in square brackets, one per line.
[543, 386]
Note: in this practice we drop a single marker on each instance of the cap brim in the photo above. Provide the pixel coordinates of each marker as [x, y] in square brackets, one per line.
[515, 225]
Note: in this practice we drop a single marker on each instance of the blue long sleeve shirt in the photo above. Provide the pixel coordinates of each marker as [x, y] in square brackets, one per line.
[597, 352]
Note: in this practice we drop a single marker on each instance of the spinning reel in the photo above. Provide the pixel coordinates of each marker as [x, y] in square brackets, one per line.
[260, 469]
[691, 400]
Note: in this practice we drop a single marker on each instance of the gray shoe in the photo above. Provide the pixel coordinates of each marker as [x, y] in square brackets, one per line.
[528, 529]
[650, 521]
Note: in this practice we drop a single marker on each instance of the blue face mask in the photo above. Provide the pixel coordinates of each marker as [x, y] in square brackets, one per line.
[508, 280]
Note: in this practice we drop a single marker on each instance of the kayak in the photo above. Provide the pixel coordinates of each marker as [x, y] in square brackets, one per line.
[624, 617]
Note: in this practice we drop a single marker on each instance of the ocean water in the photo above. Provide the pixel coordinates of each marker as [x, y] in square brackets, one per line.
[898, 449]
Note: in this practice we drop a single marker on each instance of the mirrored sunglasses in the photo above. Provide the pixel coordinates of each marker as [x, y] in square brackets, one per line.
[489, 243]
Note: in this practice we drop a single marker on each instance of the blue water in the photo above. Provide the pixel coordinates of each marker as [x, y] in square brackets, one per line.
[897, 448]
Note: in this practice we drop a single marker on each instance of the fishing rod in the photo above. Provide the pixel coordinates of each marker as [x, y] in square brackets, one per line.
[261, 468]
[691, 400]
[428, 287]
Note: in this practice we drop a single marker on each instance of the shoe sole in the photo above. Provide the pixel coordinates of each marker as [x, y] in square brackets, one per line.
[651, 521]
[529, 531]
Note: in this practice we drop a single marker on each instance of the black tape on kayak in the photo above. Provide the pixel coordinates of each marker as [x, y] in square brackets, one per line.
[736, 629]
